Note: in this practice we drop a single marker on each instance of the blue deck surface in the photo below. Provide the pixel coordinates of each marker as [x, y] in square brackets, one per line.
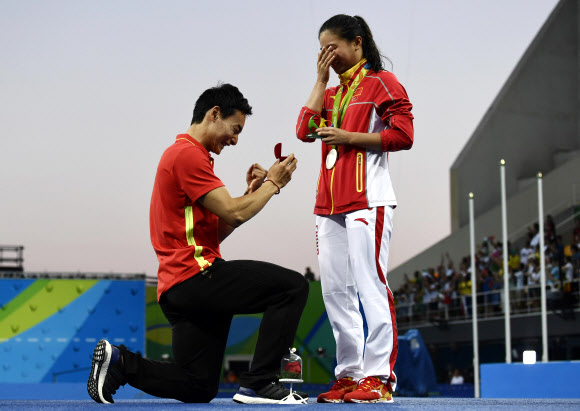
[459, 404]
[73, 396]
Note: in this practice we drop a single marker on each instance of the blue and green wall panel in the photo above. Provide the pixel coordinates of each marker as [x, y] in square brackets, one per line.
[49, 328]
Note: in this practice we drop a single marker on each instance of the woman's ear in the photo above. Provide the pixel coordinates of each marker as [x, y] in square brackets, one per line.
[358, 42]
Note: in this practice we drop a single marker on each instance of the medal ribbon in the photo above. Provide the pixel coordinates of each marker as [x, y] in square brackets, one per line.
[338, 107]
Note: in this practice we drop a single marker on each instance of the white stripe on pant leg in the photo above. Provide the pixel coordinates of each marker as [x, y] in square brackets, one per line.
[340, 296]
[362, 239]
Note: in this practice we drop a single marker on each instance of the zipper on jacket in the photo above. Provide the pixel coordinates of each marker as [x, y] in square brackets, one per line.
[359, 172]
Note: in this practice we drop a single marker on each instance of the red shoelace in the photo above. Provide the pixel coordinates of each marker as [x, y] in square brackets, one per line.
[369, 383]
[342, 383]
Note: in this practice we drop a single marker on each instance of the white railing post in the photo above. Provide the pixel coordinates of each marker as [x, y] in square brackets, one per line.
[506, 273]
[542, 271]
[473, 299]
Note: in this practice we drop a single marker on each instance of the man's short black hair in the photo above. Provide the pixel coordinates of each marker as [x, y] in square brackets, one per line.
[227, 97]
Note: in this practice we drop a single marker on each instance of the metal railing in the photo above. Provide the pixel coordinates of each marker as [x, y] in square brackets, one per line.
[441, 310]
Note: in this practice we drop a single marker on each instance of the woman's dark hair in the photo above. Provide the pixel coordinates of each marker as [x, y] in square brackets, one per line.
[348, 28]
[227, 97]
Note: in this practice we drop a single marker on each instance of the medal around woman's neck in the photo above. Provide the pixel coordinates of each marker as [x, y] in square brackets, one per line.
[339, 107]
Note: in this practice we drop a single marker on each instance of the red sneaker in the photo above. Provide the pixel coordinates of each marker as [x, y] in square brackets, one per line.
[338, 390]
[370, 389]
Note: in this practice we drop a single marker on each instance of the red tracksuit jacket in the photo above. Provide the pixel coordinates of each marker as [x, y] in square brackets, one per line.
[360, 178]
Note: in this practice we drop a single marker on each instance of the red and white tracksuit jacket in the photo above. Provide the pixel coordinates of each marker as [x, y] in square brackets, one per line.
[360, 179]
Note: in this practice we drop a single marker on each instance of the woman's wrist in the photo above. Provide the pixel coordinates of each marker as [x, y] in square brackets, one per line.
[372, 141]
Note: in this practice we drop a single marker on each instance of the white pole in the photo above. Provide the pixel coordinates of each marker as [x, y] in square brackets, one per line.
[473, 299]
[506, 281]
[542, 271]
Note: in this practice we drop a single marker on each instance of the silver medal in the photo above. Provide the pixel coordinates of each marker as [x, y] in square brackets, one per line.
[331, 158]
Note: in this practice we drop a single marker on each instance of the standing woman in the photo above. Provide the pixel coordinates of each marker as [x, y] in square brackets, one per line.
[368, 115]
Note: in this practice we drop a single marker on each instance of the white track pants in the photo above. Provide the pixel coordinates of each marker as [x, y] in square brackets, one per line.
[353, 250]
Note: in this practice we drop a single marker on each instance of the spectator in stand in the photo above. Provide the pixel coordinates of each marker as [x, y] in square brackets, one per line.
[496, 258]
[450, 289]
[482, 255]
[556, 249]
[419, 300]
[513, 257]
[402, 303]
[433, 296]
[552, 273]
[457, 378]
[489, 285]
[568, 250]
[450, 270]
[485, 244]
[535, 235]
[519, 279]
[534, 282]
[431, 272]
[464, 289]
[426, 292]
[549, 228]
[411, 298]
[463, 267]
[486, 287]
[568, 270]
[525, 252]
[497, 287]
[494, 245]
[417, 279]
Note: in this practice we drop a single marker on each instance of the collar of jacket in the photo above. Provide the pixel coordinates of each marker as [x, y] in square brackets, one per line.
[348, 76]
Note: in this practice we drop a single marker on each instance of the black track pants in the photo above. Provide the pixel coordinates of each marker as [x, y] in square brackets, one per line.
[200, 311]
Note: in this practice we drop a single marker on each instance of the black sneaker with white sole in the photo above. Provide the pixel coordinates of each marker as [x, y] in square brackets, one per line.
[106, 373]
[272, 393]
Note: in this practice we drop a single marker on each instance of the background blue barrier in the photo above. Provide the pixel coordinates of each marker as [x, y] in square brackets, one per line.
[540, 380]
[49, 327]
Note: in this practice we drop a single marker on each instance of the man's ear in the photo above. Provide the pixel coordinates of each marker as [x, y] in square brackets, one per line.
[214, 113]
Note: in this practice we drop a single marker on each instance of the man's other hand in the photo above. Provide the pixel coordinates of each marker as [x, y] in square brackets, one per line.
[281, 172]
